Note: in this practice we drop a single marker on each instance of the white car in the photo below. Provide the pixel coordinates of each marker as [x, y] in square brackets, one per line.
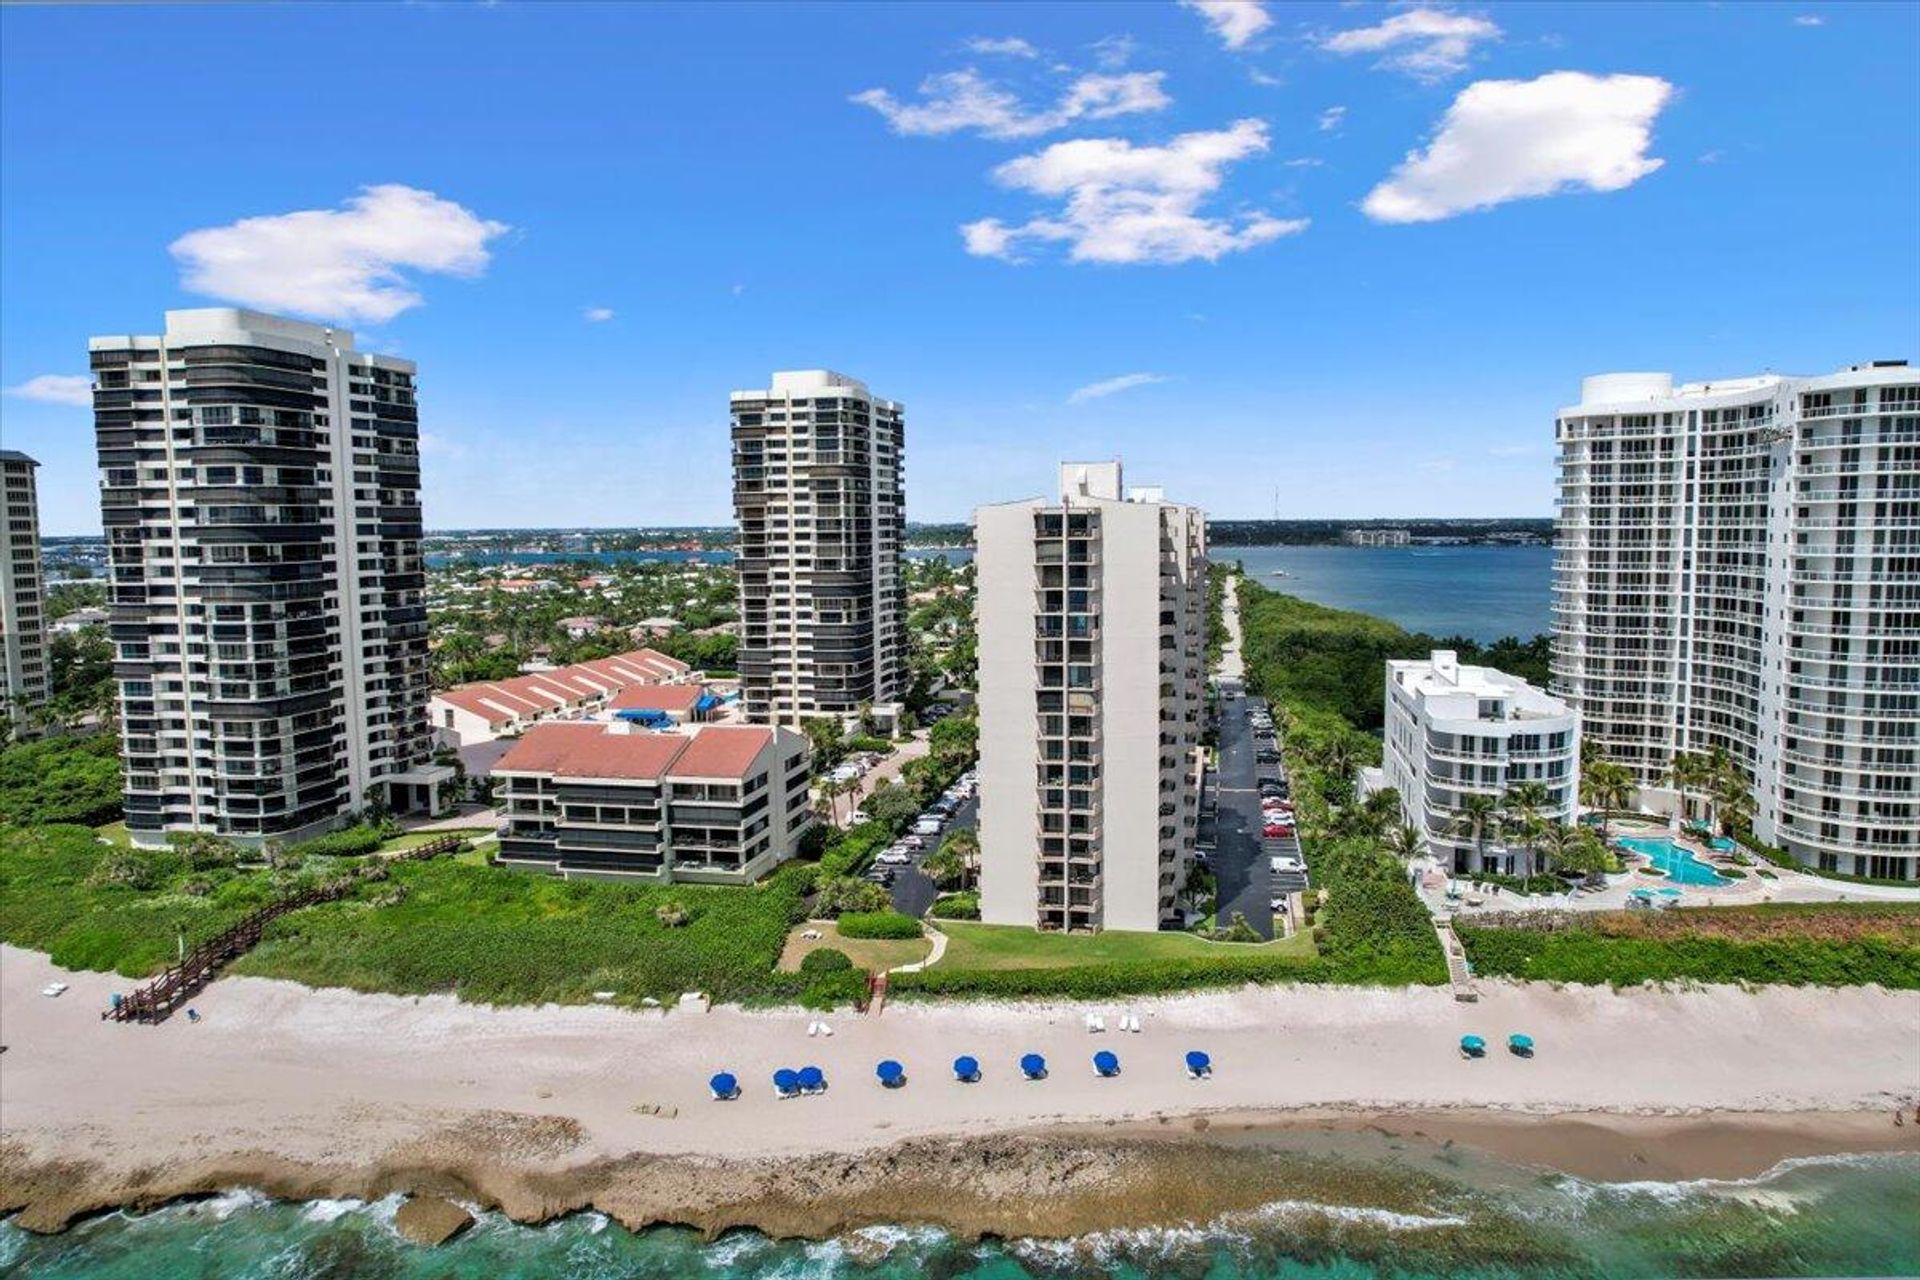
[1283, 863]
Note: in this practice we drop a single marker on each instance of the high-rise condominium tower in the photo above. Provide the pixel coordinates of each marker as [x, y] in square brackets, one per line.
[23, 628]
[1738, 568]
[1092, 631]
[818, 499]
[260, 487]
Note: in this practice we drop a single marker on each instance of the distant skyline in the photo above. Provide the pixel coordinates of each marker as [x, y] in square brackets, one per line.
[1357, 253]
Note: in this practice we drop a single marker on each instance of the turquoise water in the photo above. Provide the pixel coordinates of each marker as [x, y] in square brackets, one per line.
[1681, 867]
[1851, 1216]
[1482, 593]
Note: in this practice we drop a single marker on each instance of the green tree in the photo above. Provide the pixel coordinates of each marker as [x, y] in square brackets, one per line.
[1523, 812]
[1604, 786]
[1477, 816]
[1405, 842]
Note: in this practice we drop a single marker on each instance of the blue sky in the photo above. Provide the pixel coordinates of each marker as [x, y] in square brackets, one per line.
[1358, 254]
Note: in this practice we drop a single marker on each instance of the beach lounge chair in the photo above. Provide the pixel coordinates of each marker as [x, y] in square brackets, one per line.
[1199, 1065]
[891, 1074]
[812, 1080]
[1473, 1047]
[1033, 1067]
[725, 1087]
[1106, 1063]
[966, 1069]
[1520, 1046]
[786, 1083]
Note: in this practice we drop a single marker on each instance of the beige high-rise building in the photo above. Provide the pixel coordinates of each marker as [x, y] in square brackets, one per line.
[818, 499]
[1091, 615]
[23, 601]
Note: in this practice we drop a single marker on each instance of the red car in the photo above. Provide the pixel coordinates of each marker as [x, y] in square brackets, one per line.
[1277, 831]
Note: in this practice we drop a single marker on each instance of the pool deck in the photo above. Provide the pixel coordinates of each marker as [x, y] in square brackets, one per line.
[1753, 888]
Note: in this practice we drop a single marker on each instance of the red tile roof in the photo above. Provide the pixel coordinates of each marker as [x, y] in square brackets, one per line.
[587, 750]
[722, 751]
[544, 692]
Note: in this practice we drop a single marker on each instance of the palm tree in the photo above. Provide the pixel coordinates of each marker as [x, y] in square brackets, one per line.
[1477, 815]
[1605, 786]
[1732, 796]
[1338, 759]
[1405, 842]
[1524, 806]
[1688, 772]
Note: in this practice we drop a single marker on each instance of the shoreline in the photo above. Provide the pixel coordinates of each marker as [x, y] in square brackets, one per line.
[1055, 1184]
[540, 1111]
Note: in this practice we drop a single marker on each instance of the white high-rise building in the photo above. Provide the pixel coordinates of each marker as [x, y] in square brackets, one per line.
[821, 513]
[1738, 567]
[260, 487]
[23, 599]
[1453, 731]
[1091, 613]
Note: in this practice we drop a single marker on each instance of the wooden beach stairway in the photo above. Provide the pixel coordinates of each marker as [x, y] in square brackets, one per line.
[1458, 973]
[178, 983]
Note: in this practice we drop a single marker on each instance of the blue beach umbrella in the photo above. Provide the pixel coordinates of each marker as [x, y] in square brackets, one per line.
[966, 1069]
[1198, 1063]
[812, 1079]
[724, 1086]
[891, 1073]
[1472, 1046]
[1033, 1066]
[1521, 1045]
[786, 1080]
[1106, 1062]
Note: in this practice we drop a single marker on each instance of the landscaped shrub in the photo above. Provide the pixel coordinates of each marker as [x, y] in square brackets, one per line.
[879, 746]
[61, 779]
[957, 906]
[1373, 928]
[825, 960]
[834, 988]
[845, 895]
[878, 924]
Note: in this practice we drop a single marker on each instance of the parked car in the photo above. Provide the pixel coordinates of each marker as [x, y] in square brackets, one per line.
[1267, 755]
[1281, 862]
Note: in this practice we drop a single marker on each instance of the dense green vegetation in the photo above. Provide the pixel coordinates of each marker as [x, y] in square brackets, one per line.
[1845, 944]
[1233, 967]
[502, 937]
[999, 946]
[92, 904]
[1373, 927]
[61, 779]
[1310, 656]
[878, 924]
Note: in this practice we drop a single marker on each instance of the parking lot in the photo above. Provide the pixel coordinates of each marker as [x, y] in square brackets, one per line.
[1240, 867]
[912, 890]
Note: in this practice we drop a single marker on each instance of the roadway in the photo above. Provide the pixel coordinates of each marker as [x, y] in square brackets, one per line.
[1240, 868]
[913, 891]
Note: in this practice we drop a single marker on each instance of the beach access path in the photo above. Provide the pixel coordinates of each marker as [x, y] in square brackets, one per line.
[334, 1077]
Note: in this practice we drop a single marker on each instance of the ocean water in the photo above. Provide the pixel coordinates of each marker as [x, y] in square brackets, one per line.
[1844, 1216]
[1479, 592]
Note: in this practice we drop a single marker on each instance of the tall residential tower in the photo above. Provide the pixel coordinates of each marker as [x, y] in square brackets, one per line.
[1738, 568]
[1092, 632]
[260, 487]
[23, 600]
[818, 500]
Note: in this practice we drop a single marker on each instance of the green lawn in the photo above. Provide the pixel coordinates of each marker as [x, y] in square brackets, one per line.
[871, 954]
[971, 945]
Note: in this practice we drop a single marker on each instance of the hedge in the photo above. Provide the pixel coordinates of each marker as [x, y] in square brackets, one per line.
[825, 960]
[878, 924]
[957, 906]
[1584, 956]
[1094, 982]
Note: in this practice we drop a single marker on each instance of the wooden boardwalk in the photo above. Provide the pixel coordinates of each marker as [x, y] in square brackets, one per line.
[178, 983]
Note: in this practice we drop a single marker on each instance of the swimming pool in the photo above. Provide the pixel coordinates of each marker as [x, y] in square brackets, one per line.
[1681, 867]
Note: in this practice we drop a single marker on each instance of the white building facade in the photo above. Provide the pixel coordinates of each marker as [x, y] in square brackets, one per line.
[1091, 615]
[1737, 567]
[821, 513]
[260, 488]
[1452, 731]
[23, 597]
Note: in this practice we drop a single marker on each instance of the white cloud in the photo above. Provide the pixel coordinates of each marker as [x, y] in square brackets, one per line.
[1713, 155]
[1427, 44]
[1110, 386]
[338, 263]
[1128, 204]
[1005, 47]
[74, 389]
[1330, 119]
[1304, 162]
[1114, 52]
[1809, 20]
[1234, 21]
[1264, 80]
[958, 100]
[597, 315]
[1507, 140]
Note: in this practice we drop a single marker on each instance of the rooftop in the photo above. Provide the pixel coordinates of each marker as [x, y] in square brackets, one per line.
[584, 749]
[1441, 676]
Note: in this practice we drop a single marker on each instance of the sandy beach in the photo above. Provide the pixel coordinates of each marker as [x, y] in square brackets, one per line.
[541, 1110]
